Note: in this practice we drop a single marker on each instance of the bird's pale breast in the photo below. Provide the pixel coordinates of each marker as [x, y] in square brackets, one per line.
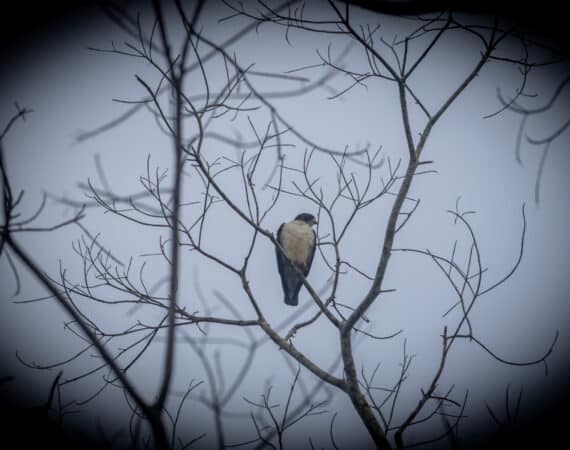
[297, 240]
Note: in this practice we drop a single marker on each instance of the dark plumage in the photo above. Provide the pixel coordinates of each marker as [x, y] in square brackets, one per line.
[298, 241]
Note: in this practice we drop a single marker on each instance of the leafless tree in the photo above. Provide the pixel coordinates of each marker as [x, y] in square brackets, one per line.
[213, 175]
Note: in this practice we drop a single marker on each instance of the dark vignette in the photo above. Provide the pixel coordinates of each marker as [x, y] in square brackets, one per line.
[23, 26]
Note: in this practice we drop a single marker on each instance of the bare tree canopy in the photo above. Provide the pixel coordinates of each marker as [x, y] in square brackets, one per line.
[170, 170]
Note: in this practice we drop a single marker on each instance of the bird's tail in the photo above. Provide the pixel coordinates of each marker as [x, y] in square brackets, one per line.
[292, 300]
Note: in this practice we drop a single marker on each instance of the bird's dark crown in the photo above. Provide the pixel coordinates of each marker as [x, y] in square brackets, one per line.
[306, 217]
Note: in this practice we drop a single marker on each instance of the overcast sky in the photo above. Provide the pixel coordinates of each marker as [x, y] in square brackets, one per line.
[71, 89]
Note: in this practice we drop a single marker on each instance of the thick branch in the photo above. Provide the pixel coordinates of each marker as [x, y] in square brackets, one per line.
[149, 412]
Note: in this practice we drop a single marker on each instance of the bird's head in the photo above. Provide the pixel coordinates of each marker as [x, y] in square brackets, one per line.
[307, 218]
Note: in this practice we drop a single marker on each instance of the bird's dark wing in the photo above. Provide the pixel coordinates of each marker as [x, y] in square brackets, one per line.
[311, 255]
[282, 263]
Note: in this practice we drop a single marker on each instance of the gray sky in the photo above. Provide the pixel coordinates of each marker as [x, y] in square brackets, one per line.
[70, 90]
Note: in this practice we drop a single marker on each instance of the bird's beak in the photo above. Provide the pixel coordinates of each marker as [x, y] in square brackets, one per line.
[315, 222]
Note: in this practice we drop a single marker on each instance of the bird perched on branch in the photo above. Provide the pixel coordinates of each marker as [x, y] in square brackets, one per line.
[298, 241]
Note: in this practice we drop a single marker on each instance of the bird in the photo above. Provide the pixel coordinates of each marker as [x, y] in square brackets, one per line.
[298, 241]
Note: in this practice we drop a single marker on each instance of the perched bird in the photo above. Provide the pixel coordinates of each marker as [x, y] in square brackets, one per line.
[298, 241]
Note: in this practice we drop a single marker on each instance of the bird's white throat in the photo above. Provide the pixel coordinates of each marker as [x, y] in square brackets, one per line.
[297, 239]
